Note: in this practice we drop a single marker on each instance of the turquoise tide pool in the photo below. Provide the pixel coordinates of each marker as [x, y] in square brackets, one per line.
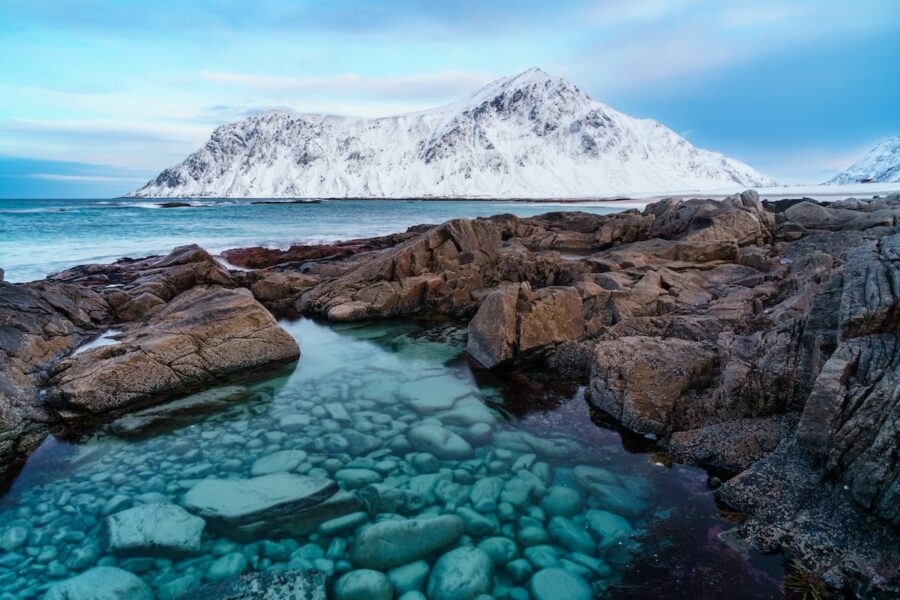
[416, 473]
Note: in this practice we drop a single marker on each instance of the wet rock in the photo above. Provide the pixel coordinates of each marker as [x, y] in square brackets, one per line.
[363, 584]
[461, 574]
[393, 543]
[731, 446]
[154, 530]
[39, 323]
[552, 583]
[101, 583]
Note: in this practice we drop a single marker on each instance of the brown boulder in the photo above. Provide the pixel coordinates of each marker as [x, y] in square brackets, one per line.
[437, 271]
[201, 336]
[514, 321]
[652, 385]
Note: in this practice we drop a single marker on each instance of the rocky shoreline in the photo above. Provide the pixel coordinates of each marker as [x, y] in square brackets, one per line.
[758, 339]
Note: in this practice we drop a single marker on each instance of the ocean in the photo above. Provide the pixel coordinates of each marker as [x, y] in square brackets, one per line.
[39, 237]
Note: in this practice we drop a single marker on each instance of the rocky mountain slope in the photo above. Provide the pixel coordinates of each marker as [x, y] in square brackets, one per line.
[880, 165]
[527, 136]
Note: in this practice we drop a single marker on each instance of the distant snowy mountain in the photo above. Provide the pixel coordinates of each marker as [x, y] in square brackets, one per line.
[880, 165]
[527, 136]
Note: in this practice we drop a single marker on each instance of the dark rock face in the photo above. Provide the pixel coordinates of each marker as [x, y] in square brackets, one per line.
[39, 323]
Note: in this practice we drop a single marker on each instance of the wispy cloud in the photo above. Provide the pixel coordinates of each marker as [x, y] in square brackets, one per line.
[83, 178]
[437, 85]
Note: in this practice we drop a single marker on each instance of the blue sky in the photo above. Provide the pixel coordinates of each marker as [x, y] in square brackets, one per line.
[98, 96]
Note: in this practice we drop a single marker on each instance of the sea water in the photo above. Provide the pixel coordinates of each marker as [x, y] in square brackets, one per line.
[38, 237]
[539, 483]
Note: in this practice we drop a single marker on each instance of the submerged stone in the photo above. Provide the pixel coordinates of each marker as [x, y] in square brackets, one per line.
[357, 478]
[227, 566]
[485, 494]
[409, 578]
[363, 584]
[611, 528]
[154, 530]
[286, 460]
[439, 441]
[571, 535]
[101, 583]
[247, 500]
[501, 549]
[461, 574]
[393, 543]
[562, 501]
[617, 499]
[433, 394]
[552, 584]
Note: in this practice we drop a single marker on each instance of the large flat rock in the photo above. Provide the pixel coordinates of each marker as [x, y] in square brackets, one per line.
[154, 530]
[202, 335]
[241, 501]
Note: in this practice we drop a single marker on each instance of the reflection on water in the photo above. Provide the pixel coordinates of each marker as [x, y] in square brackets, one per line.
[546, 503]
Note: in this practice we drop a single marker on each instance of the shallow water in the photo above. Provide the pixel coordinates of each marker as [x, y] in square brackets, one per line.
[540, 472]
[45, 236]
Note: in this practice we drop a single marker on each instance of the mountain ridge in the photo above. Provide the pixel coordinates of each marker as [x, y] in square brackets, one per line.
[881, 164]
[529, 135]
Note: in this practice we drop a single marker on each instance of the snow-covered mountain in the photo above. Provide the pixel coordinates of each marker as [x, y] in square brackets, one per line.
[880, 165]
[527, 136]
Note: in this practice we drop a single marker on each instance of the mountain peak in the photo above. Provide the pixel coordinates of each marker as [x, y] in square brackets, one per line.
[880, 165]
[529, 135]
